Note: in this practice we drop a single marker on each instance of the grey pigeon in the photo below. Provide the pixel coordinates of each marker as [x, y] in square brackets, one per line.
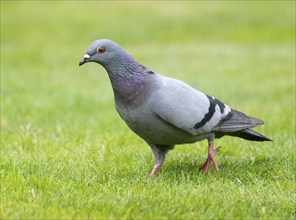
[165, 111]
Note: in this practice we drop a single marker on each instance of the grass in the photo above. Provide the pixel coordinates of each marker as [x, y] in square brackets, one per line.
[66, 154]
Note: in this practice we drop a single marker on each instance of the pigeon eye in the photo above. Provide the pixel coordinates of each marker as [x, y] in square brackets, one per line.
[101, 50]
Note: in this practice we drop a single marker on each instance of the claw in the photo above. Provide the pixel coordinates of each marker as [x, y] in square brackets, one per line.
[217, 149]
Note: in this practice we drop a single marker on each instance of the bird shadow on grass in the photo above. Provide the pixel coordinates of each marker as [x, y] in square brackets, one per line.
[228, 168]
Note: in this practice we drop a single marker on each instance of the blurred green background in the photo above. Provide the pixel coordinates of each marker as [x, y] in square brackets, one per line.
[65, 153]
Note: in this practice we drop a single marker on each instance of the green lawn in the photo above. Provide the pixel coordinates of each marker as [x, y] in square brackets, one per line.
[66, 154]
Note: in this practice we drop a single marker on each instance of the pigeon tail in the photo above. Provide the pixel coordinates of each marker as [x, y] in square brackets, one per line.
[247, 134]
[250, 135]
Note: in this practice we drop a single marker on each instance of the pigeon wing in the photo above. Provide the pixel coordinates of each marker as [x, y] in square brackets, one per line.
[186, 108]
[236, 121]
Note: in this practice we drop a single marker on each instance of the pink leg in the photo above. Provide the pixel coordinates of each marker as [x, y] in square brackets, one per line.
[159, 152]
[155, 170]
[211, 157]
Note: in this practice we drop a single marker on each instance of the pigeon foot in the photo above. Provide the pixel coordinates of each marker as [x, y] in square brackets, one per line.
[155, 170]
[211, 158]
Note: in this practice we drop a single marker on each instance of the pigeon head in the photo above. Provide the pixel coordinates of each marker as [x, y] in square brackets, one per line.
[127, 76]
[104, 52]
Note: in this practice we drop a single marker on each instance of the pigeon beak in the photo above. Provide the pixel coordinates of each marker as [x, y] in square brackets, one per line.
[84, 60]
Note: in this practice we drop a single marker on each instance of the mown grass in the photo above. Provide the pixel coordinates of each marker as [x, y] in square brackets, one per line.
[65, 153]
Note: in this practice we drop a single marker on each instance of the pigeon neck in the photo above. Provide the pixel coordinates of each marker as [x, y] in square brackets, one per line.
[128, 79]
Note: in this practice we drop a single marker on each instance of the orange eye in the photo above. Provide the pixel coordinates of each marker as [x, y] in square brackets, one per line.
[101, 50]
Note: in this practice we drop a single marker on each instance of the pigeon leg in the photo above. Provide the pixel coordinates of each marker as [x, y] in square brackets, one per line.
[159, 153]
[211, 157]
[155, 170]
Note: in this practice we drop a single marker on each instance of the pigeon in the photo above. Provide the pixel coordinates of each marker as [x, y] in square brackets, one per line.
[165, 112]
